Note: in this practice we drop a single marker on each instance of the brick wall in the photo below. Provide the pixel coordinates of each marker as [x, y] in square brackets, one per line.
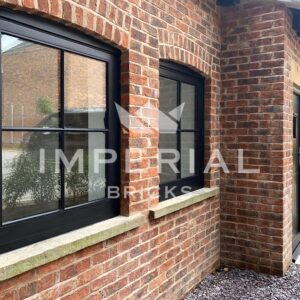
[254, 60]
[163, 259]
[291, 78]
[256, 116]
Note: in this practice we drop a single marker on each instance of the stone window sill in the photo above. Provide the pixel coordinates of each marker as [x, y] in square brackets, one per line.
[24, 259]
[169, 206]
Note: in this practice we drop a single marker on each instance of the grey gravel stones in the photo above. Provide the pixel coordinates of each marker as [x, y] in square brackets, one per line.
[248, 285]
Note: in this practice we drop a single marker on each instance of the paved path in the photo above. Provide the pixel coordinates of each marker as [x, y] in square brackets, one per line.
[248, 285]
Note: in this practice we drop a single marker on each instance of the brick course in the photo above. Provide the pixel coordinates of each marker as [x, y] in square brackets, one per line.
[256, 114]
[161, 260]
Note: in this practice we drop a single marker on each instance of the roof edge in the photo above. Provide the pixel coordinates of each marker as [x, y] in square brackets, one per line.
[291, 3]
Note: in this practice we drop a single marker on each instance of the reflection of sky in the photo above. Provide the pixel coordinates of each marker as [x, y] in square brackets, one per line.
[9, 42]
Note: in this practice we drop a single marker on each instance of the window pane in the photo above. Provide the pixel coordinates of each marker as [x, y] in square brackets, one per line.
[86, 183]
[31, 81]
[27, 188]
[168, 94]
[188, 98]
[167, 146]
[85, 92]
[187, 154]
[167, 105]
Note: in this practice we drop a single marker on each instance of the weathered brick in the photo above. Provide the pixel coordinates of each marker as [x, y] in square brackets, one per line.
[43, 6]
[67, 11]
[243, 198]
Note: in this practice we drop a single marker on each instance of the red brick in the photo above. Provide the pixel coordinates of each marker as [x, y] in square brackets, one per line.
[55, 8]
[79, 16]
[67, 11]
[78, 294]
[28, 290]
[103, 281]
[43, 6]
[75, 269]
[46, 281]
[28, 3]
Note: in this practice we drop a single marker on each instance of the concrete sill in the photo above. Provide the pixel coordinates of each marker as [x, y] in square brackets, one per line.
[24, 259]
[169, 206]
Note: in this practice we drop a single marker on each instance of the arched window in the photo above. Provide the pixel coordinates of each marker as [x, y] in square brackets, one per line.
[181, 130]
[57, 120]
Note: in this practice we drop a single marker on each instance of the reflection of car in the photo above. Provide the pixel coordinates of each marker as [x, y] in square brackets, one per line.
[75, 119]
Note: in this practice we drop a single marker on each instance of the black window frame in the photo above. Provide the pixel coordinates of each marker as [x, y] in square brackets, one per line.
[182, 74]
[31, 229]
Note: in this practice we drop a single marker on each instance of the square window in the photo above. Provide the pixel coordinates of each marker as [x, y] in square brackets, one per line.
[58, 118]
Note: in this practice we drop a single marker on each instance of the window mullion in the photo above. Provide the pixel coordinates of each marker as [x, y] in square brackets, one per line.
[1, 95]
[107, 124]
[179, 128]
[62, 135]
[200, 109]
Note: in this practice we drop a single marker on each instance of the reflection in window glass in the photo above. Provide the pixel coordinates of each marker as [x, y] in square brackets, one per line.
[187, 152]
[85, 92]
[188, 98]
[168, 95]
[86, 184]
[31, 98]
[27, 190]
[31, 80]
[167, 144]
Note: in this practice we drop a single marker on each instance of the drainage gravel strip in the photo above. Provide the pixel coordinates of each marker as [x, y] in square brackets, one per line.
[248, 285]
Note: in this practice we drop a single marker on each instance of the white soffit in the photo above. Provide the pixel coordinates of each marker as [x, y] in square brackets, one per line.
[291, 3]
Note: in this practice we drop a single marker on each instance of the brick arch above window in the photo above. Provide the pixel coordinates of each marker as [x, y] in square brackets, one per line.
[91, 20]
[180, 49]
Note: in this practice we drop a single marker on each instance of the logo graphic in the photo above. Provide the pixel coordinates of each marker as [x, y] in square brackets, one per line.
[168, 123]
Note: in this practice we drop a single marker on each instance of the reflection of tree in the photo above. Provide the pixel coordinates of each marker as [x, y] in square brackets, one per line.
[79, 185]
[44, 105]
[25, 177]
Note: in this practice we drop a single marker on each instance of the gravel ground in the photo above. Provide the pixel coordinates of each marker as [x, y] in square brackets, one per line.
[248, 285]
